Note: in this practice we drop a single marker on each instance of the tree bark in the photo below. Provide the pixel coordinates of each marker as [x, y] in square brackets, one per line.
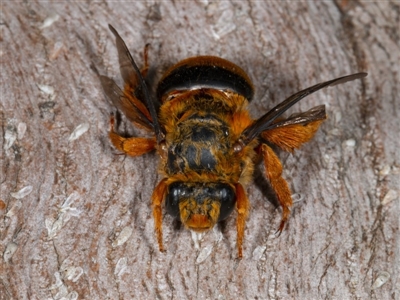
[76, 220]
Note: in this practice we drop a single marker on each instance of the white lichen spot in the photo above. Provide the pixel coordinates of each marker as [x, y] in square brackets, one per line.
[48, 223]
[223, 25]
[47, 89]
[204, 253]
[57, 49]
[57, 225]
[62, 293]
[272, 286]
[121, 266]
[258, 252]
[68, 212]
[70, 199]
[71, 296]
[13, 210]
[353, 282]
[389, 197]
[49, 20]
[66, 208]
[382, 278]
[25, 191]
[78, 131]
[123, 236]
[218, 234]
[350, 143]
[58, 282]
[338, 116]
[385, 170]
[10, 137]
[197, 237]
[53, 228]
[327, 158]
[297, 197]
[335, 132]
[395, 170]
[78, 273]
[21, 129]
[9, 252]
[73, 273]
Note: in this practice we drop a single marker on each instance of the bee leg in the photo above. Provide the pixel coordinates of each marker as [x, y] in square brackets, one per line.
[273, 168]
[157, 199]
[242, 206]
[133, 146]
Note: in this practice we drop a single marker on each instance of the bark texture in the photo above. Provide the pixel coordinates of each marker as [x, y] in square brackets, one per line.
[75, 219]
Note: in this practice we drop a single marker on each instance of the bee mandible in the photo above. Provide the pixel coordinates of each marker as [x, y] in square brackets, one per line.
[206, 139]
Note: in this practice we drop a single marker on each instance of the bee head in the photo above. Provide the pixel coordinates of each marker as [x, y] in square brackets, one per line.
[199, 206]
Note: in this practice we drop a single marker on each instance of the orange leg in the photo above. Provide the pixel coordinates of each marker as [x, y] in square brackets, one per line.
[157, 199]
[133, 146]
[273, 168]
[242, 206]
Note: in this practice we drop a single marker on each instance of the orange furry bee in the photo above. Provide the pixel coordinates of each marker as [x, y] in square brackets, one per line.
[207, 141]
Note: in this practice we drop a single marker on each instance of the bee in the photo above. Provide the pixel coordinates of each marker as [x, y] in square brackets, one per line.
[207, 141]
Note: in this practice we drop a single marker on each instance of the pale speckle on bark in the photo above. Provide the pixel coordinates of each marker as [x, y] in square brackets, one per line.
[342, 240]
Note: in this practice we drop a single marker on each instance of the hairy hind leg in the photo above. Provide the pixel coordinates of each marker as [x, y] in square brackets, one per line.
[242, 206]
[133, 146]
[157, 199]
[273, 168]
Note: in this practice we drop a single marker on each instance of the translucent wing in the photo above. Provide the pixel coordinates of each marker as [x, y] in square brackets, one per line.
[128, 73]
[133, 109]
[135, 82]
[303, 118]
[266, 121]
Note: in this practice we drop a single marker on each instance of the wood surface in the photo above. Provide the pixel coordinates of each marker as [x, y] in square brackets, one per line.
[75, 218]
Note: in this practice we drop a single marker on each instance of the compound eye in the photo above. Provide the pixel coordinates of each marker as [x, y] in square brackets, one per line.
[227, 197]
[175, 192]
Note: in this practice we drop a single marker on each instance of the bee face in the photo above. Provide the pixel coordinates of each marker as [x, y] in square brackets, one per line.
[207, 141]
[199, 206]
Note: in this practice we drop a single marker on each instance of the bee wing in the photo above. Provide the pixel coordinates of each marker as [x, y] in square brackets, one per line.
[266, 121]
[130, 73]
[125, 103]
[126, 68]
[317, 113]
[299, 128]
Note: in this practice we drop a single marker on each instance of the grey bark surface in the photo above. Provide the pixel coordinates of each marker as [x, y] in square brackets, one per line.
[75, 218]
